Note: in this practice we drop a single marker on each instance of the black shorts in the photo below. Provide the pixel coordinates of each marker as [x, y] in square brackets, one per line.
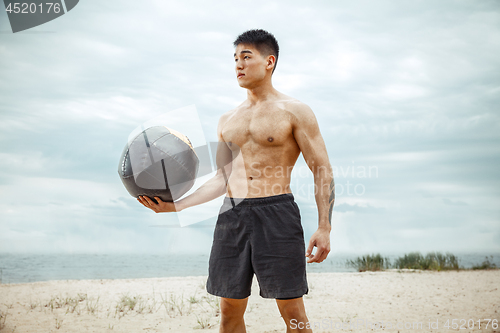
[262, 236]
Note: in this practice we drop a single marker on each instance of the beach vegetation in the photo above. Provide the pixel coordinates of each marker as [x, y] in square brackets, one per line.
[214, 303]
[486, 264]
[125, 304]
[174, 305]
[193, 299]
[130, 302]
[347, 318]
[3, 319]
[251, 307]
[168, 306]
[146, 305]
[140, 306]
[92, 305]
[435, 261]
[151, 306]
[81, 297]
[72, 304]
[203, 322]
[35, 304]
[374, 262]
[58, 323]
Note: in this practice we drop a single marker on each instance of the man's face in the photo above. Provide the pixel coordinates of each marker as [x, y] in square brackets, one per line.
[250, 66]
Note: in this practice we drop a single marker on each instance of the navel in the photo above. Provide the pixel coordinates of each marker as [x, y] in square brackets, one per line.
[270, 139]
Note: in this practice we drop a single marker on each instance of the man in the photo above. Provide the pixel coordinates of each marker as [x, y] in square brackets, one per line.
[259, 230]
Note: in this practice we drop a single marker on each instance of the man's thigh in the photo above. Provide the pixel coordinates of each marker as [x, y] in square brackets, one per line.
[278, 251]
[233, 307]
[230, 268]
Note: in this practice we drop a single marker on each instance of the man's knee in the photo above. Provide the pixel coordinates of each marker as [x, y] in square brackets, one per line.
[232, 308]
[293, 309]
[293, 312]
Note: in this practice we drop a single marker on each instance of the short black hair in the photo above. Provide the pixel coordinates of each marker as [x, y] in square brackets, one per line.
[262, 40]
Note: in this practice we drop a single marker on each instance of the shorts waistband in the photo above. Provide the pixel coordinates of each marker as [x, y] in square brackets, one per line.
[259, 201]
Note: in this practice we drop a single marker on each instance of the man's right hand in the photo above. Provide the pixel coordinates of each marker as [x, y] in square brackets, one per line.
[160, 207]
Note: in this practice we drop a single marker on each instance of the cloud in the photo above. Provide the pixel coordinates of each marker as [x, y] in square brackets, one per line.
[345, 208]
[399, 88]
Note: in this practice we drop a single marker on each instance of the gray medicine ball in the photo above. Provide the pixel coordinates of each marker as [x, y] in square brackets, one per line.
[158, 162]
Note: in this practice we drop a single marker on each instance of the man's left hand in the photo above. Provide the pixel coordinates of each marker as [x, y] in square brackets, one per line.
[159, 206]
[321, 240]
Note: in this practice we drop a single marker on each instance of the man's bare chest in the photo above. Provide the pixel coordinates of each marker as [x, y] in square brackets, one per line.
[262, 127]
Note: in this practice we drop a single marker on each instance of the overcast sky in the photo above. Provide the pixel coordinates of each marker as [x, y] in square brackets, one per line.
[406, 94]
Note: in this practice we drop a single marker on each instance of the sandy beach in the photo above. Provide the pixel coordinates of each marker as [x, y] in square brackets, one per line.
[352, 302]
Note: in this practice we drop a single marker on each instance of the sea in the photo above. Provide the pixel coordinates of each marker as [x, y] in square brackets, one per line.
[25, 268]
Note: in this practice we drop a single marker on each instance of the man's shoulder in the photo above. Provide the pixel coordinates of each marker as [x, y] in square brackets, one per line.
[296, 105]
[297, 108]
[226, 115]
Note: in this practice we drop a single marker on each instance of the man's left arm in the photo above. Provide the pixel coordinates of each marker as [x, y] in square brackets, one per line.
[311, 143]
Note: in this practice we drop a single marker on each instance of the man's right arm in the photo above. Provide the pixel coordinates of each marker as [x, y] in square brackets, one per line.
[213, 188]
[216, 186]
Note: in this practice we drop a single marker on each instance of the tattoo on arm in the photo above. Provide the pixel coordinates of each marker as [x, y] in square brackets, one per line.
[331, 201]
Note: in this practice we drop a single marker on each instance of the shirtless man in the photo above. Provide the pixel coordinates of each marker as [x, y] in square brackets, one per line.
[259, 230]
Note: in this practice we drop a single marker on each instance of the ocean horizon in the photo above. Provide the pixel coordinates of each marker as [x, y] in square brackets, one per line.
[26, 268]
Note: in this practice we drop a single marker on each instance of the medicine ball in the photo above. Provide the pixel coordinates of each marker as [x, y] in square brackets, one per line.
[158, 162]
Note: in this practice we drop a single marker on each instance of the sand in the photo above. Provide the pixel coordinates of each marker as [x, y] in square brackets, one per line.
[389, 301]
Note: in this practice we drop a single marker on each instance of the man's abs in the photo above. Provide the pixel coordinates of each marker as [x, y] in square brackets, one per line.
[259, 182]
[261, 174]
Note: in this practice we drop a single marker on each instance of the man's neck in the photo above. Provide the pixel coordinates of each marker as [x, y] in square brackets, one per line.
[261, 93]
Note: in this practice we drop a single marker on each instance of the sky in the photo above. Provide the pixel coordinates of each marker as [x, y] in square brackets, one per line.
[406, 95]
